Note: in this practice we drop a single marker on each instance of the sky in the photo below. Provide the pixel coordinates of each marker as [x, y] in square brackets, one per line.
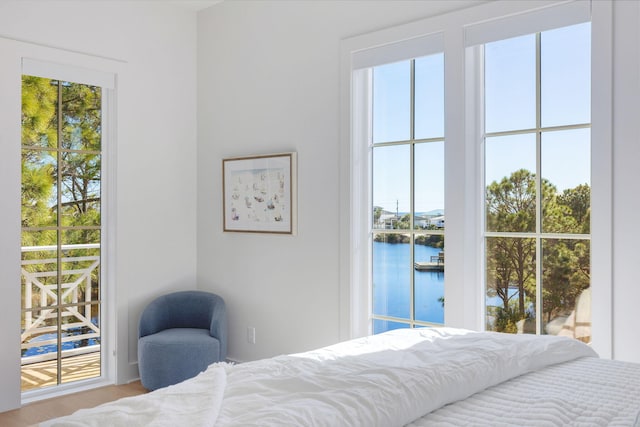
[510, 104]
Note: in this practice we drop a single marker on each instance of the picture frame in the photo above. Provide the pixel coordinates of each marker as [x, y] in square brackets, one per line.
[259, 193]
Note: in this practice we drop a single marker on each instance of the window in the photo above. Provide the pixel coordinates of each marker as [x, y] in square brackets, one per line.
[520, 120]
[407, 193]
[537, 147]
[61, 231]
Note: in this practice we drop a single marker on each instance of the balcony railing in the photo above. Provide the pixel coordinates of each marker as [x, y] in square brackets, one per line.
[79, 330]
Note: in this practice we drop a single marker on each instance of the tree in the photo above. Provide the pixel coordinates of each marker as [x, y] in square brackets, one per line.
[404, 222]
[511, 261]
[76, 127]
[61, 173]
[510, 206]
[39, 124]
[81, 130]
[510, 203]
[564, 275]
[566, 262]
[377, 213]
[433, 240]
[578, 202]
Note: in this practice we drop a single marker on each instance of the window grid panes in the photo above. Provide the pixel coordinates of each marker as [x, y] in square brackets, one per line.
[61, 231]
[537, 183]
[407, 213]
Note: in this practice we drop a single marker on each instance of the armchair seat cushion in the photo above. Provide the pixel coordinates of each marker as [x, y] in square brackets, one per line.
[187, 339]
[166, 352]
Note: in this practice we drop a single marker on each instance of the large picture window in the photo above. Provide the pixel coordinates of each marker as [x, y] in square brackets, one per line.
[537, 146]
[526, 110]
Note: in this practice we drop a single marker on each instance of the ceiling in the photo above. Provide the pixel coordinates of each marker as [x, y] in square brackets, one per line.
[194, 5]
[187, 4]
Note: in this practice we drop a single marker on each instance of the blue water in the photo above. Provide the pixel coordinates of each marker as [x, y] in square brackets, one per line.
[392, 269]
[69, 345]
[391, 286]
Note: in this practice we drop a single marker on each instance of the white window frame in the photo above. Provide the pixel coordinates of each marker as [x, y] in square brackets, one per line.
[464, 292]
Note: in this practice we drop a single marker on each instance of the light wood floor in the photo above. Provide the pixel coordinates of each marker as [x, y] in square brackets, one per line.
[37, 412]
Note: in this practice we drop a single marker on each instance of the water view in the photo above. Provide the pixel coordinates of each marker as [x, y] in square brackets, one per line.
[391, 282]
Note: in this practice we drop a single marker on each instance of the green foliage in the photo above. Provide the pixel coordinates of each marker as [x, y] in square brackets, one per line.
[433, 240]
[377, 212]
[37, 188]
[578, 203]
[507, 319]
[511, 202]
[39, 129]
[565, 275]
[61, 173]
[81, 115]
[68, 116]
[391, 238]
[39, 108]
[511, 261]
[404, 222]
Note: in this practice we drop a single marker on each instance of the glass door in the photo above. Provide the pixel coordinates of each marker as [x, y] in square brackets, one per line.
[61, 232]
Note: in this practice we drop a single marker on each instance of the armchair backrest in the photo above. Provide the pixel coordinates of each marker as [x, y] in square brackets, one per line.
[187, 309]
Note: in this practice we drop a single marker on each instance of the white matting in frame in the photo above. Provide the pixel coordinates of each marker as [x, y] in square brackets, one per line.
[259, 193]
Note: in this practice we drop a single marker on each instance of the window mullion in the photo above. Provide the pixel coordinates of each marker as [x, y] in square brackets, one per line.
[539, 283]
[412, 135]
[59, 236]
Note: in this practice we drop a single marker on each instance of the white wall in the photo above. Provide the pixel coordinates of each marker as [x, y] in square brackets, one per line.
[268, 81]
[155, 200]
[626, 178]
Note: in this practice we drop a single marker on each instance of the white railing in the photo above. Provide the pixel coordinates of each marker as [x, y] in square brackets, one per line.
[41, 298]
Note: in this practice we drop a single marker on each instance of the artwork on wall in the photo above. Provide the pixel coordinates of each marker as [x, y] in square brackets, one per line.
[259, 193]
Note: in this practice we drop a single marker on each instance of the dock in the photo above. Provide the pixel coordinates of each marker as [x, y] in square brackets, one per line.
[429, 266]
[435, 264]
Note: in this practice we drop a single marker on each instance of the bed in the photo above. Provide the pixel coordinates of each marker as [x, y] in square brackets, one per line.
[407, 377]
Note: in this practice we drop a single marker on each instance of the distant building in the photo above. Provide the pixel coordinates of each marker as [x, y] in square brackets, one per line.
[430, 219]
[437, 221]
[387, 219]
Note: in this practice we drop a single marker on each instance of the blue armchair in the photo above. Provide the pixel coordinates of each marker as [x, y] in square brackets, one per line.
[180, 334]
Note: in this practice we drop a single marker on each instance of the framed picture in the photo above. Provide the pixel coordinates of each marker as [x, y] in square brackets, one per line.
[259, 193]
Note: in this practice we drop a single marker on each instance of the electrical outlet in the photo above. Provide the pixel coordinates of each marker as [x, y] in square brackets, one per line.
[251, 335]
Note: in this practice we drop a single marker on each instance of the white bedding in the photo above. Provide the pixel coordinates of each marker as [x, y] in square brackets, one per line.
[385, 380]
[583, 392]
[195, 402]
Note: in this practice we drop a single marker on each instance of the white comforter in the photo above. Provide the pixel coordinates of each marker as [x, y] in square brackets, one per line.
[385, 380]
[194, 402]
